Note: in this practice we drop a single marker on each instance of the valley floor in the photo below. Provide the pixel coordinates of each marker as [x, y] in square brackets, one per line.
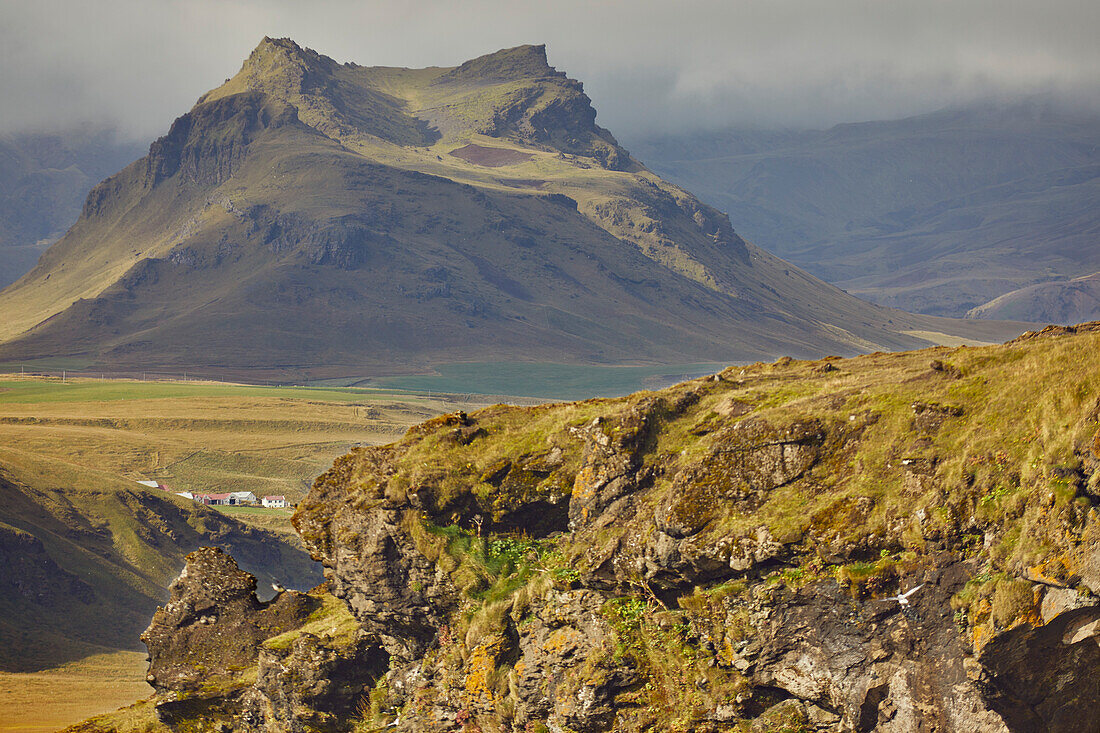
[42, 702]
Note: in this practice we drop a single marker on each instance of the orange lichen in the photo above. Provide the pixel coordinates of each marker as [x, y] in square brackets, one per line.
[480, 666]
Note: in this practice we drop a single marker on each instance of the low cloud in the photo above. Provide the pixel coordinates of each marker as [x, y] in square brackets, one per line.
[650, 65]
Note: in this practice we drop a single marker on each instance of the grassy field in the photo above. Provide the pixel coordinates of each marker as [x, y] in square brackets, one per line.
[42, 702]
[34, 389]
[202, 436]
[276, 520]
[549, 381]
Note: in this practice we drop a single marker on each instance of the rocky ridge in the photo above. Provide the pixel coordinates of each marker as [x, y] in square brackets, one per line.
[721, 555]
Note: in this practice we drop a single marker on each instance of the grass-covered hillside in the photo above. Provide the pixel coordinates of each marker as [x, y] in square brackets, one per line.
[897, 452]
[711, 526]
[88, 552]
[368, 221]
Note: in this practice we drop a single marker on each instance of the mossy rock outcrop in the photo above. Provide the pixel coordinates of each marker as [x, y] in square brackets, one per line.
[882, 546]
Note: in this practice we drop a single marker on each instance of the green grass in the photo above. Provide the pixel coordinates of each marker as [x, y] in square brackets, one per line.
[275, 520]
[55, 364]
[203, 436]
[332, 621]
[549, 381]
[26, 390]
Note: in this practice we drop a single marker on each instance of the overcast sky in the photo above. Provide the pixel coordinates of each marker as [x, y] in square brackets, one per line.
[649, 65]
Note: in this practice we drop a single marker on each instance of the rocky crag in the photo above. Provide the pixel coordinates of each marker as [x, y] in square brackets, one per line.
[721, 555]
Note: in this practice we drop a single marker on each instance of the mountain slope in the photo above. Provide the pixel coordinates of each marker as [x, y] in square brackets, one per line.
[1062, 301]
[314, 213]
[936, 214]
[43, 180]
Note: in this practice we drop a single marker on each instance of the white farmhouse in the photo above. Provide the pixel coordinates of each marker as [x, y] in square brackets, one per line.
[275, 502]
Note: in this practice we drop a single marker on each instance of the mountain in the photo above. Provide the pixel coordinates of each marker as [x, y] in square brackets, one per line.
[311, 214]
[936, 214]
[44, 178]
[894, 542]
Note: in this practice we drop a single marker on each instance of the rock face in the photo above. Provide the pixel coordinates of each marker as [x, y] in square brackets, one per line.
[670, 589]
[317, 684]
[399, 594]
[206, 639]
[1036, 679]
[732, 553]
[876, 666]
[213, 625]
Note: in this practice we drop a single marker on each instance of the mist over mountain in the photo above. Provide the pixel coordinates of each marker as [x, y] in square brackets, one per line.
[936, 214]
[44, 179]
[653, 66]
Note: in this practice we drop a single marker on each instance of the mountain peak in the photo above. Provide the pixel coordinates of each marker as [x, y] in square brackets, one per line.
[508, 64]
[285, 43]
[331, 212]
[276, 56]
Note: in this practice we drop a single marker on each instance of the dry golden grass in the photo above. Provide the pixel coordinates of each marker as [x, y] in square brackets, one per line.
[202, 437]
[42, 702]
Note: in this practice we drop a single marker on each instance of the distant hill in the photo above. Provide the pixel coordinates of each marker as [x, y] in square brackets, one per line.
[935, 214]
[311, 214]
[1062, 301]
[44, 178]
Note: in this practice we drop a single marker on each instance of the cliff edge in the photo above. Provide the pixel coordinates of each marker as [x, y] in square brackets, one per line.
[895, 542]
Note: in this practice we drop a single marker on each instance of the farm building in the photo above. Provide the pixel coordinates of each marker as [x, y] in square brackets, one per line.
[242, 497]
[275, 502]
